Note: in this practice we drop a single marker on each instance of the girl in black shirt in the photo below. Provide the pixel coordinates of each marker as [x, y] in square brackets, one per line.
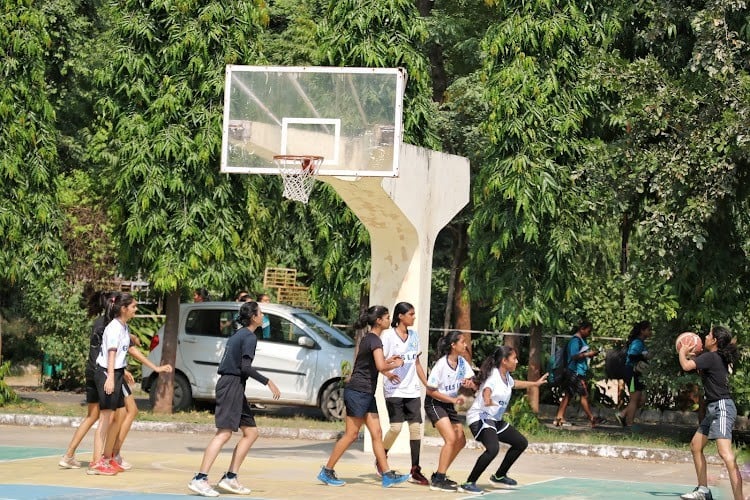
[714, 365]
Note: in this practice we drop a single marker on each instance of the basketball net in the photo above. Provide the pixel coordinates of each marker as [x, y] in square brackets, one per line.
[298, 174]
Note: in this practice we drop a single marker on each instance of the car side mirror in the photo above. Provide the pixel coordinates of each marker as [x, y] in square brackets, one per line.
[305, 341]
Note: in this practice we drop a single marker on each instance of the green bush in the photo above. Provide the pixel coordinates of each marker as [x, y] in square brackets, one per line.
[7, 395]
[62, 328]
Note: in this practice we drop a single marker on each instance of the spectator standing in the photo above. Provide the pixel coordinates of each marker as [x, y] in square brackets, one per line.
[637, 353]
[578, 354]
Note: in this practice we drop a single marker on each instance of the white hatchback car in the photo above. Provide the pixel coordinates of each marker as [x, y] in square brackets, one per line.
[298, 350]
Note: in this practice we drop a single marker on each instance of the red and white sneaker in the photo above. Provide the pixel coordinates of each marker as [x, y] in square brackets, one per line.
[125, 465]
[113, 463]
[101, 468]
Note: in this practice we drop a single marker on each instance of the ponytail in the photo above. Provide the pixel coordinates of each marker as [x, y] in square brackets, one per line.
[370, 317]
[726, 349]
[491, 362]
[248, 310]
[446, 342]
[401, 308]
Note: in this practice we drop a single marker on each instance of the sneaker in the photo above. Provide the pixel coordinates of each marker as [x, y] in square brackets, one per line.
[597, 421]
[442, 484]
[232, 486]
[113, 463]
[378, 470]
[328, 476]
[67, 462]
[101, 468]
[201, 487]
[697, 494]
[417, 477]
[392, 478]
[470, 488]
[502, 482]
[621, 420]
[122, 463]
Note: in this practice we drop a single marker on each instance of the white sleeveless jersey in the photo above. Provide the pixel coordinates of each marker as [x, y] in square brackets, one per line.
[409, 349]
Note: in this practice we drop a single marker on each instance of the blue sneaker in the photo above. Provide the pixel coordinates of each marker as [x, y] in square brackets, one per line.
[390, 478]
[470, 488]
[502, 482]
[328, 476]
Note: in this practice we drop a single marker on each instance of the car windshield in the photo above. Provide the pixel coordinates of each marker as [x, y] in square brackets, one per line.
[326, 331]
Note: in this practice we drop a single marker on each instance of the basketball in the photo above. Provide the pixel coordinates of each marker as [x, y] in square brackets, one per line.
[689, 338]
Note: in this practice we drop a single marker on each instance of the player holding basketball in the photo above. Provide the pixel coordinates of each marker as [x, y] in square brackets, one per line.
[714, 364]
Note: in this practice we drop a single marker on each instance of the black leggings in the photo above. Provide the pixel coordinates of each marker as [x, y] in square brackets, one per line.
[491, 437]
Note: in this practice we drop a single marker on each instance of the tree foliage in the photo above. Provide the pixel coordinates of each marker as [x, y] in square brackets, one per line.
[30, 218]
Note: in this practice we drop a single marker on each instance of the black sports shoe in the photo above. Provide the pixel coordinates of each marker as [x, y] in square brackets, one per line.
[443, 484]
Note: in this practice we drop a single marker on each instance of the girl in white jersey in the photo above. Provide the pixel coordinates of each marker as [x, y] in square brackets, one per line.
[485, 417]
[403, 394]
[110, 370]
[450, 373]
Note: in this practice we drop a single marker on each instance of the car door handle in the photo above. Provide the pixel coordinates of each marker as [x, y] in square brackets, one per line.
[189, 340]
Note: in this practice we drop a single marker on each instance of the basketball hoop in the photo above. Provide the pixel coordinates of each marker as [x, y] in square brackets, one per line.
[298, 174]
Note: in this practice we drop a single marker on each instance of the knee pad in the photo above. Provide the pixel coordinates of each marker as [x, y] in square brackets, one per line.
[395, 427]
[415, 431]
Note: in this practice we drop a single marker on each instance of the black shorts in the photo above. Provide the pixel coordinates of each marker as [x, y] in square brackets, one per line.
[404, 410]
[435, 410]
[633, 379]
[109, 401]
[358, 404]
[576, 385]
[232, 409]
[92, 394]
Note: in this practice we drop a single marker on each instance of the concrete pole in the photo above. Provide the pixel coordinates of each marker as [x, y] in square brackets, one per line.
[404, 216]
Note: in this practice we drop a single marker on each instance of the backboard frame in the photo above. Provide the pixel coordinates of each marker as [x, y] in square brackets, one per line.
[338, 162]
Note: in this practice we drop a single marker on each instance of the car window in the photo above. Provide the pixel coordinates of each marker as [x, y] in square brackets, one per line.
[281, 330]
[326, 331]
[210, 322]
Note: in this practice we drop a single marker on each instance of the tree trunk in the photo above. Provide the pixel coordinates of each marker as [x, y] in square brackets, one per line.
[463, 315]
[165, 382]
[535, 364]
[456, 265]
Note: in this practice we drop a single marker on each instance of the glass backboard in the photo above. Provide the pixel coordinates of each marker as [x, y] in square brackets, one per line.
[349, 116]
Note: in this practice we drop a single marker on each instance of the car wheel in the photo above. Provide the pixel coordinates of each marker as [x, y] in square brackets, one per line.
[183, 396]
[332, 402]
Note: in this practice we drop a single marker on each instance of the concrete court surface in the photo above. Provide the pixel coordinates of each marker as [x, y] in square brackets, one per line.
[164, 462]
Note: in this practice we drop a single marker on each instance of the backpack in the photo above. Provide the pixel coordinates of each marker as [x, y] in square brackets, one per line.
[557, 366]
[614, 363]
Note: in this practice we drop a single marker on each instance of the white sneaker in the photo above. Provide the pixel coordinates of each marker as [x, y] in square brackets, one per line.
[125, 465]
[201, 487]
[232, 486]
[697, 494]
[67, 462]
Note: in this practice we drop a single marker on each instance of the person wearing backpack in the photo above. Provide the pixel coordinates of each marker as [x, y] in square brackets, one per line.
[578, 354]
[636, 353]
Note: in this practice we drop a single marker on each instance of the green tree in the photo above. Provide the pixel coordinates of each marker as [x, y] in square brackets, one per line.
[179, 220]
[30, 220]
